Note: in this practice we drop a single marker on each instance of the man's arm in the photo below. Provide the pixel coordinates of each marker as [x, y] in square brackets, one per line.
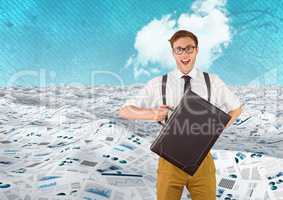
[136, 113]
[234, 114]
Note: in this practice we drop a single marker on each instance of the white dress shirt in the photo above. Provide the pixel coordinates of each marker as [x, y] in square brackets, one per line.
[150, 96]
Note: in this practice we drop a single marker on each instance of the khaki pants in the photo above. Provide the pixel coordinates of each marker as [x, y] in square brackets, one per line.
[171, 181]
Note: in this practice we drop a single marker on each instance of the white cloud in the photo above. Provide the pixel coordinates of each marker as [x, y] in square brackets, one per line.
[140, 71]
[152, 42]
[155, 70]
[207, 19]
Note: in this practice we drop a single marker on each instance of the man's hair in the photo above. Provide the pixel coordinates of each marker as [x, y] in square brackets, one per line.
[183, 33]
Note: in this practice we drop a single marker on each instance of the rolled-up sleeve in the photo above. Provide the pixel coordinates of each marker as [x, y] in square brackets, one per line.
[226, 99]
[145, 97]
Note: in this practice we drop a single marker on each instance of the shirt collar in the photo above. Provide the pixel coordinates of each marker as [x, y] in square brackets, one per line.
[179, 74]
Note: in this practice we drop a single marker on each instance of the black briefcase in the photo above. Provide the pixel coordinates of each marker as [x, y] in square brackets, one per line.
[190, 132]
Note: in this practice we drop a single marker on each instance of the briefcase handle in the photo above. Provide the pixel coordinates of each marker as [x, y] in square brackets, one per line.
[160, 122]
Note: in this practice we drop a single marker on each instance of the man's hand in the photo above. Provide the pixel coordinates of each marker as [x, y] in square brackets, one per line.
[161, 113]
[234, 114]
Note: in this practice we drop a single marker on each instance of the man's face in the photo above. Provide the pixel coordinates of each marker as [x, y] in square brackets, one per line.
[185, 52]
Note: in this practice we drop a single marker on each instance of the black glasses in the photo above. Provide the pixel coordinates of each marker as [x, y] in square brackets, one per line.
[188, 49]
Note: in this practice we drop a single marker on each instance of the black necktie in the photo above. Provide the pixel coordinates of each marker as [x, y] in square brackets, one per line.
[187, 85]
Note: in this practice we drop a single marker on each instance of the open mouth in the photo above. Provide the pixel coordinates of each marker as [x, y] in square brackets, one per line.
[185, 62]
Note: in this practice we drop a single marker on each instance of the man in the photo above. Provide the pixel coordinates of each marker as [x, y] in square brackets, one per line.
[148, 106]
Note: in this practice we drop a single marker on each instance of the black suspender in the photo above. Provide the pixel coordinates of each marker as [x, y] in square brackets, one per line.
[164, 81]
[207, 81]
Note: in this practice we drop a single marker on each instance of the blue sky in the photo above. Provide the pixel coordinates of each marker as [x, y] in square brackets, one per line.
[125, 42]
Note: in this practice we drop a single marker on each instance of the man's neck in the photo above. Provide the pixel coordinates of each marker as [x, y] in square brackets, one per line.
[186, 72]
